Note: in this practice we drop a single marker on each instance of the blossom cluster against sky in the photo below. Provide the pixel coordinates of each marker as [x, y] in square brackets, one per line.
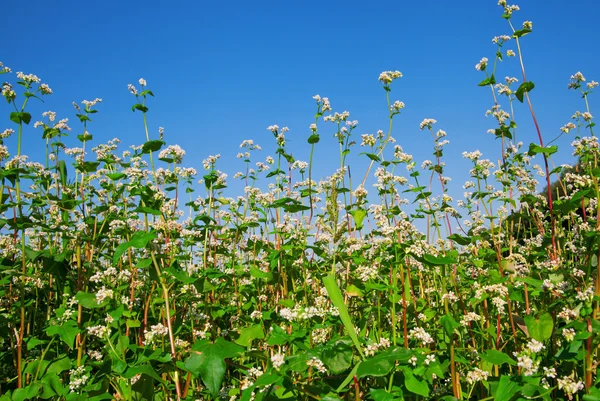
[222, 72]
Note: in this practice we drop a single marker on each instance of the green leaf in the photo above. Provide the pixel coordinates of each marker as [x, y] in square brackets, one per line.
[257, 273]
[540, 329]
[88, 167]
[359, 216]
[521, 33]
[506, 389]
[116, 176]
[523, 88]
[381, 364]
[497, 357]
[314, 138]
[449, 324]
[68, 331]
[52, 386]
[142, 369]
[415, 385]
[535, 149]
[62, 170]
[441, 260]
[459, 239]
[87, 300]
[335, 294]
[491, 80]
[207, 360]
[248, 334]
[371, 156]
[20, 116]
[139, 240]
[152, 146]
[381, 395]
[139, 107]
[337, 355]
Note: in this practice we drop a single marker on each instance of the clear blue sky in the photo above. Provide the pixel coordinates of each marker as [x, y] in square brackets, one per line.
[223, 71]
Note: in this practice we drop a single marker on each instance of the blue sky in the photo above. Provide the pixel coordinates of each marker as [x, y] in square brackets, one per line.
[224, 71]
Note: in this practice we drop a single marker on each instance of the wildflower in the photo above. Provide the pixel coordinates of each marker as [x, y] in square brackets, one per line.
[569, 385]
[388, 76]
[535, 346]
[428, 122]
[568, 334]
[500, 39]
[592, 85]
[278, 360]
[102, 294]
[132, 89]
[576, 80]
[368, 140]
[45, 89]
[77, 378]
[510, 53]
[173, 152]
[421, 335]
[527, 25]
[6, 133]
[397, 106]
[4, 69]
[482, 64]
[142, 82]
[210, 161]
[477, 375]
[528, 366]
[157, 330]
[29, 78]
[567, 127]
[317, 364]
[99, 331]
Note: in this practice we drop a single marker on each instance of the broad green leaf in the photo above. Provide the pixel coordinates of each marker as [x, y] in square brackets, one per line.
[371, 156]
[139, 107]
[248, 334]
[491, 80]
[152, 146]
[540, 329]
[524, 88]
[314, 138]
[142, 369]
[438, 260]
[381, 364]
[521, 33]
[68, 330]
[18, 117]
[88, 300]
[207, 361]
[506, 389]
[535, 149]
[449, 324]
[335, 294]
[359, 216]
[497, 357]
[415, 385]
[337, 355]
[381, 395]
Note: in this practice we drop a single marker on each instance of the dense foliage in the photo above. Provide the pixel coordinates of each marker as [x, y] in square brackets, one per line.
[121, 278]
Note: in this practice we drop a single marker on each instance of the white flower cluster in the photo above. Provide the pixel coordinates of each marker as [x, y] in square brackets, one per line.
[317, 364]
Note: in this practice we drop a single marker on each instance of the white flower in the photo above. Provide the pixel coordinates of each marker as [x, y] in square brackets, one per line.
[482, 64]
[277, 360]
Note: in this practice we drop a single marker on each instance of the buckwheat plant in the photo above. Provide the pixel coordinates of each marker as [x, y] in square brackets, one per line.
[126, 275]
